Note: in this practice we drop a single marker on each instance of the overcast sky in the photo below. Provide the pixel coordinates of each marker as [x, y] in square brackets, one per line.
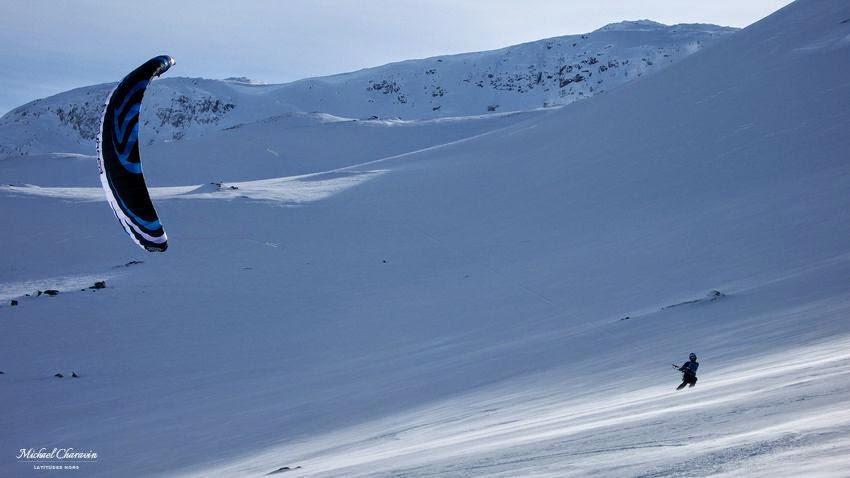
[49, 46]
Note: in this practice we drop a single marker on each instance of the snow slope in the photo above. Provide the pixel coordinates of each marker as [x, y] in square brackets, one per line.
[459, 311]
[549, 72]
[283, 145]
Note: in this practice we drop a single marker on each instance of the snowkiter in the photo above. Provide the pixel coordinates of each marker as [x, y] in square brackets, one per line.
[689, 372]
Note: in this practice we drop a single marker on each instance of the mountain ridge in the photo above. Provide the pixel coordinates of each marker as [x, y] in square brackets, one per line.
[543, 73]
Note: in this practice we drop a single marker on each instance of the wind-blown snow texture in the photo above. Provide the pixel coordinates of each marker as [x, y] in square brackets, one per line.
[549, 72]
[450, 302]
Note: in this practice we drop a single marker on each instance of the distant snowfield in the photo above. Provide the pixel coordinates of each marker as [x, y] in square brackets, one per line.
[288, 190]
[487, 297]
[297, 189]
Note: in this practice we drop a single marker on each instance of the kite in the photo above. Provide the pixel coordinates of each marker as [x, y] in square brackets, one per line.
[119, 160]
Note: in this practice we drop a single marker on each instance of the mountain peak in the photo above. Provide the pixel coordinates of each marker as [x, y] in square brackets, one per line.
[633, 25]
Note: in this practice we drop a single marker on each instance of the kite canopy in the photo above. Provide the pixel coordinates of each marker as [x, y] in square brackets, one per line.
[120, 162]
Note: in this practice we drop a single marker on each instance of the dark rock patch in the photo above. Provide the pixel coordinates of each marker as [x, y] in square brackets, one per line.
[283, 469]
[131, 263]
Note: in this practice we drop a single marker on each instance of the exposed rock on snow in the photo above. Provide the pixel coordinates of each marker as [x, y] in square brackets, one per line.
[131, 263]
[709, 296]
[284, 469]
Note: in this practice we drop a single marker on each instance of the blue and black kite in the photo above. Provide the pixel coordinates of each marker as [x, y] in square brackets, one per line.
[119, 159]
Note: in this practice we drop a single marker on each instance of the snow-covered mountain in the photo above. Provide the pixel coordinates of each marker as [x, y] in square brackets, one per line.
[479, 296]
[544, 73]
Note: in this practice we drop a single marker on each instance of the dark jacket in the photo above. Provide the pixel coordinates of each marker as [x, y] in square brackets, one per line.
[690, 368]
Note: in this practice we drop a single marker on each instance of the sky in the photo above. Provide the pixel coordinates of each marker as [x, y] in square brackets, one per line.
[50, 46]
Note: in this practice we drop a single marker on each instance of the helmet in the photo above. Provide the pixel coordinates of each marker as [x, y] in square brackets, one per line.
[693, 357]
